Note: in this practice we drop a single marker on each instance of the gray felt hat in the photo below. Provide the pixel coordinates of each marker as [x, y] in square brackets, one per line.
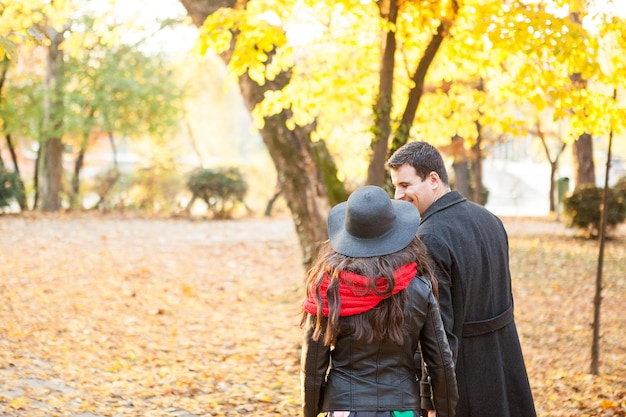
[370, 224]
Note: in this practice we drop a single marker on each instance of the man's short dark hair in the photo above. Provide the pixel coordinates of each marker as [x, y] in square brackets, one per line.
[422, 156]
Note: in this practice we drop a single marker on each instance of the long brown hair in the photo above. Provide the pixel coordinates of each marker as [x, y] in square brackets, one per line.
[386, 321]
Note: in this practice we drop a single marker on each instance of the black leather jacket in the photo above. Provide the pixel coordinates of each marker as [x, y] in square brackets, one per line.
[381, 376]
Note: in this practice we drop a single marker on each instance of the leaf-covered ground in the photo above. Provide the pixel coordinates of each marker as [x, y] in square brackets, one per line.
[119, 316]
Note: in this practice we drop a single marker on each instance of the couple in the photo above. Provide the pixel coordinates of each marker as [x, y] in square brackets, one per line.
[400, 320]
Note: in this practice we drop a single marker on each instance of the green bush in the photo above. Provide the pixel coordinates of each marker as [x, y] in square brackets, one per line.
[221, 189]
[582, 208]
[10, 189]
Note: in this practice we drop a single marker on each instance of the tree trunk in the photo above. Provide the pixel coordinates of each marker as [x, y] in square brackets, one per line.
[477, 166]
[376, 174]
[21, 201]
[193, 141]
[594, 368]
[3, 77]
[292, 151]
[270, 204]
[597, 299]
[75, 202]
[116, 164]
[584, 168]
[461, 176]
[300, 179]
[36, 178]
[401, 136]
[554, 163]
[78, 166]
[11, 147]
[585, 171]
[461, 168]
[51, 172]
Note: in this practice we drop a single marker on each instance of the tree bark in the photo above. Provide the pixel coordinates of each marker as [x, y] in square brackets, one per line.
[597, 299]
[461, 168]
[78, 166]
[51, 172]
[585, 171]
[36, 178]
[292, 151]
[461, 175]
[477, 166]
[3, 77]
[376, 174]
[75, 202]
[21, 201]
[584, 168]
[554, 163]
[116, 164]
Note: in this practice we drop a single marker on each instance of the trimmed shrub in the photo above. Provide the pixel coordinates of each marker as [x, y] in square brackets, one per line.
[221, 189]
[582, 209]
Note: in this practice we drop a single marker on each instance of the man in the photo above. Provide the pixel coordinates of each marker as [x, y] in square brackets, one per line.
[469, 247]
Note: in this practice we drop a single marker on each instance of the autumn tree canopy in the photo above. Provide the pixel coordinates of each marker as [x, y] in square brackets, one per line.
[365, 77]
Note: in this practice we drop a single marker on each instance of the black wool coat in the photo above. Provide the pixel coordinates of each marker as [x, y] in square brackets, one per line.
[470, 249]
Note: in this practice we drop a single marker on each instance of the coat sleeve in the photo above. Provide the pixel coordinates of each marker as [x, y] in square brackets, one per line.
[442, 261]
[437, 355]
[313, 367]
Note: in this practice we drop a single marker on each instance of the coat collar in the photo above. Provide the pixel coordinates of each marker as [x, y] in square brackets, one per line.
[447, 200]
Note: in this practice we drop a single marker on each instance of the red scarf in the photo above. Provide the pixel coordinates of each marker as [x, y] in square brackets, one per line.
[352, 291]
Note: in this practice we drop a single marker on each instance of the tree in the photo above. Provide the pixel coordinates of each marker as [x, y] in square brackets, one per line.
[552, 156]
[584, 167]
[612, 32]
[94, 83]
[416, 69]
[7, 111]
[119, 90]
[292, 149]
[21, 108]
[544, 80]
[259, 54]
[50, 161]
[594, 368]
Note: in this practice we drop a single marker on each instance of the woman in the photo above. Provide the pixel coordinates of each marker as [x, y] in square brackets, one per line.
[370, 306]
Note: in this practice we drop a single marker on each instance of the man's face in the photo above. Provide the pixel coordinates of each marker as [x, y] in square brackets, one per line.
[410, 187]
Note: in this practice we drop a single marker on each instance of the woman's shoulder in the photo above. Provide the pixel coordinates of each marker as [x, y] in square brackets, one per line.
[420, 294]
[421, 284]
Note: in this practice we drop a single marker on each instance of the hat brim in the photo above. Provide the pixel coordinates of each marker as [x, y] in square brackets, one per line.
[398, 237]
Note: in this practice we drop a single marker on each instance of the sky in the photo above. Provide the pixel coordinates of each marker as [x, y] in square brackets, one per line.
[146, 14]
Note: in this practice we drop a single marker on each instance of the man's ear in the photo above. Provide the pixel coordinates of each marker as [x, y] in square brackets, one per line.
[433, 178]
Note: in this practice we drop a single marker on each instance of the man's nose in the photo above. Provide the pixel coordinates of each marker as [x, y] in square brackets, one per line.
[398, 194]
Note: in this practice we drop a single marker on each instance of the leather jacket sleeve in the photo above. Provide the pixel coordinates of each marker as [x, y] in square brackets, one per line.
[426, 393]
[314, 365]
[437, 355]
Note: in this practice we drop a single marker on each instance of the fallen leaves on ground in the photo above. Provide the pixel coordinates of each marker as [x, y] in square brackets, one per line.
[121, 316]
